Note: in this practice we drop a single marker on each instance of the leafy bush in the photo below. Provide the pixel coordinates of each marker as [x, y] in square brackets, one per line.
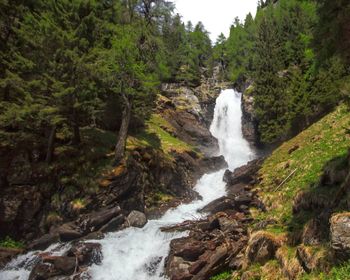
[8, 242]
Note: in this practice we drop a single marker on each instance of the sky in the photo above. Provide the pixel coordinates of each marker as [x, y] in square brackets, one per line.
[216, 15]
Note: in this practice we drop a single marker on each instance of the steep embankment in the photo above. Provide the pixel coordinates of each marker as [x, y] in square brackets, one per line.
[303, 184]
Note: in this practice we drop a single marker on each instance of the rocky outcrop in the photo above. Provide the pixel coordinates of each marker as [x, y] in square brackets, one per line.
[340, 235]
[190, 112]
[249, 120]
[218, 242]
[262, 247]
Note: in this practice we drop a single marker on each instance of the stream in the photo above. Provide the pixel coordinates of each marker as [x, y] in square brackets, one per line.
[139, 253]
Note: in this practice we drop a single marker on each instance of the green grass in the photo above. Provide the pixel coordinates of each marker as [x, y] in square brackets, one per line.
[318, 144]
[226, 275]
[341, 272]
[8, 242]
[158, 135]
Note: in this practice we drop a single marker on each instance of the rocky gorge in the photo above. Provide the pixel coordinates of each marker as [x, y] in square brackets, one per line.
[125, 194]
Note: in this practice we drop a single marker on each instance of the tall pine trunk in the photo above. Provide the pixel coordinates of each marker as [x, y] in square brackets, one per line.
[51, 145]
[123, 130]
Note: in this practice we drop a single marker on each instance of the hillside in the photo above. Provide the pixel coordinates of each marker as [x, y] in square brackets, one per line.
[302, 185]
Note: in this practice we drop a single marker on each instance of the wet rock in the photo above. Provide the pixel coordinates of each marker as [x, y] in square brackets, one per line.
[43, 271]
[96, 220]
[245, 174]
[6, 254]
[43, 242]
[96, 235]
[262, 247]
[114, 224]
[136, 219]
[219, 205]
[340, 235]
[68, 232]
[86, 253]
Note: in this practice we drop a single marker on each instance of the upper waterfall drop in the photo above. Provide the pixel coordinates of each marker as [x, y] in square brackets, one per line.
[227, 128]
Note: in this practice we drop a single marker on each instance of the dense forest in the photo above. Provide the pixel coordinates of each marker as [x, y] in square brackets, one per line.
[295, 56]
[66, 65]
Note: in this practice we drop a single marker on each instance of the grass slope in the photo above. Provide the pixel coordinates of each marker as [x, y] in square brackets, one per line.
[315, 146]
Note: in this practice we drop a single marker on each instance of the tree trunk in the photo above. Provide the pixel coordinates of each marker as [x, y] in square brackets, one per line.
[51, 145]
[76, 132]
[123, 131]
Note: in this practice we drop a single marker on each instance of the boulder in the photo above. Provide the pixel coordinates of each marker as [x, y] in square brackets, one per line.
[96, 220]
[136, 219]
[262, 247]
[86, 253]
[44, 241]
[189, 251]
[114, 224]
[245, 174]
[340, 235]
[68, 232]
[219, 205]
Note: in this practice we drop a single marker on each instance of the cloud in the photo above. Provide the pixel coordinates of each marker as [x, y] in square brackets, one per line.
[216, 15]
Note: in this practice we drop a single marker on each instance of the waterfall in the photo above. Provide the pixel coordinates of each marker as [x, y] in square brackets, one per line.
[139, 253]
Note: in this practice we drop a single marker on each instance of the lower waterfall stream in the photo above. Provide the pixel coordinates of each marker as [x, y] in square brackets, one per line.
[139, 253]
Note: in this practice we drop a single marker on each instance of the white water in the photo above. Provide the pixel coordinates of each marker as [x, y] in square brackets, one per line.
[139, 253]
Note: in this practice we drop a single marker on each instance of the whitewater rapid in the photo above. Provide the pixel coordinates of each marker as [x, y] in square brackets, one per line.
[139, 253]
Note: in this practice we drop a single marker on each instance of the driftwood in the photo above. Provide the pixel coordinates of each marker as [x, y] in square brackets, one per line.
[285, 180]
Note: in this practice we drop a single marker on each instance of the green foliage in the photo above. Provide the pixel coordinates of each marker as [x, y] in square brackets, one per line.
[70, 65]
[339, 272]
[292, 53]
[226, 275]
[8, 242]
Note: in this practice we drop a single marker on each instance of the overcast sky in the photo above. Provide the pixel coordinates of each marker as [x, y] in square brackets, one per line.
[216, 15]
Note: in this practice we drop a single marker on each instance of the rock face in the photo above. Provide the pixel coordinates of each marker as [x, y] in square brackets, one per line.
[340, 235]
[190, 112]
[249, 121]
[218, 242]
